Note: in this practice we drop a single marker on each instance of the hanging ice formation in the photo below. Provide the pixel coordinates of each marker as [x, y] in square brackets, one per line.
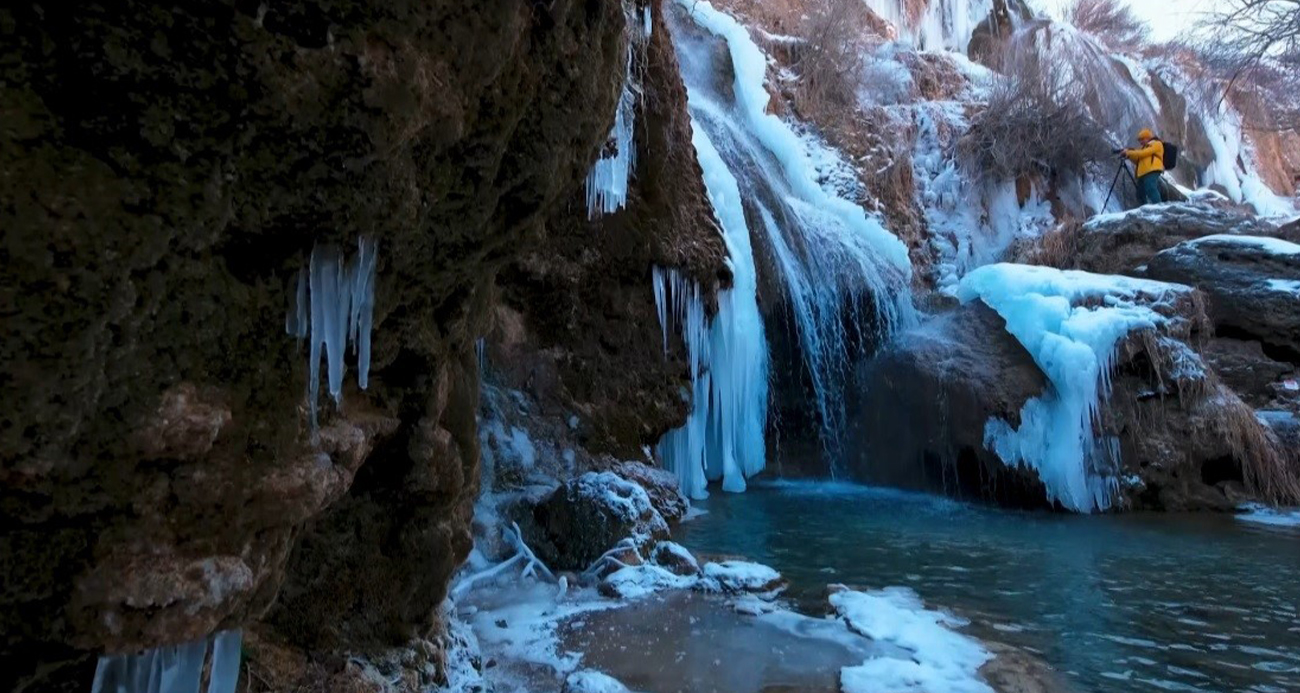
[1071, 323]
[607, 182]
[173, 669]
[846, 278]
[334, 305]
[722, 438]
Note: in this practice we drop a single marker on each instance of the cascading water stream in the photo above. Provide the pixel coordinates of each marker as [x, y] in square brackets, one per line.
[844, 278]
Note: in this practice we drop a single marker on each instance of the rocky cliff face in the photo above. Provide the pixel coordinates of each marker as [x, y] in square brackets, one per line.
[586, 339]
[167, 172]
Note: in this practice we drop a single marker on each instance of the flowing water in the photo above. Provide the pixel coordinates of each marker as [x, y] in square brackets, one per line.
[1116, 603]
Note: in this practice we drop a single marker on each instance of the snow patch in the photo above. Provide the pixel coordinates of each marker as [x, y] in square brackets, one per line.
[943, 661]
[1264, 515]
[1273, 246]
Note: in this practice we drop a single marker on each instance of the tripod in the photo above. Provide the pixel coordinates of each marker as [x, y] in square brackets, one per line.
[1123, 168]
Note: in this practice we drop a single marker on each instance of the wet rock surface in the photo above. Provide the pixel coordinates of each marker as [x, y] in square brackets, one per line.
[918, 411]
[1121, 244]
[168, 172]
[1252, 287]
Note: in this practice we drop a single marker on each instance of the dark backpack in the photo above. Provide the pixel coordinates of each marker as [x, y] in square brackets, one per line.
[1171, 156]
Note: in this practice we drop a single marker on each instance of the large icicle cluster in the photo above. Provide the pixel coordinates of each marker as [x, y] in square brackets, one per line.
[607, 182]
[173, 669]
[1071, 322]
[335, 304]
[722, 438]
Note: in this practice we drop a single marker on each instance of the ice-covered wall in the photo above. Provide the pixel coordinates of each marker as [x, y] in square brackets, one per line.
[1072, 323]
[940, 24]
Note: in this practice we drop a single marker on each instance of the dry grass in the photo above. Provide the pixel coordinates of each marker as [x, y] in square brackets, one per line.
[1272, 473]
[1057, 248]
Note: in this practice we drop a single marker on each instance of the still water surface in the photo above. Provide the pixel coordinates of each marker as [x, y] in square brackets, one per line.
[1117, 603]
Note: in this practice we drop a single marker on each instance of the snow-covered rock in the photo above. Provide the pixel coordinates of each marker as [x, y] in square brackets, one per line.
[741, 576]
[661, 485]
[1125, 241]
[589, 681]
[634, 582]
[1252, 283]
[589, 515]
[675, 558]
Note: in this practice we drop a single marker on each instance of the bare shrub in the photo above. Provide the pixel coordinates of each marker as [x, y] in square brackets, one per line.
[1037, 124]
[1251, 50]
[1111, 21]
[829, 59]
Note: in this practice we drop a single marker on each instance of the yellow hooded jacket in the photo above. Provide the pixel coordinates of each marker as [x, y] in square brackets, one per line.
[1148, 159]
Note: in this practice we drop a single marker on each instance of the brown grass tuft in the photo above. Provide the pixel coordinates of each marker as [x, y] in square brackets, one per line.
[1058, 247]
[1272, 474]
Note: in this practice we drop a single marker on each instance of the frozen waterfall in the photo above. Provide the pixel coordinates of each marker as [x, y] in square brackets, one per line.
[1071, 322]
[174, 668]
[940, 24]
[334, 304]
[845, 278]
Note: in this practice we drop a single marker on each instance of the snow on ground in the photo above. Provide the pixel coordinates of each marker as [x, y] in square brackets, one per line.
[1264, 515]
[1071, 323]
[942, 660]
[588, 681]
[1287, 286]
[517, 624]
[1274, 246]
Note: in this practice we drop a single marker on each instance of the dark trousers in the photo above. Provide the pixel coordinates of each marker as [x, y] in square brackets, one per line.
[1149, 189]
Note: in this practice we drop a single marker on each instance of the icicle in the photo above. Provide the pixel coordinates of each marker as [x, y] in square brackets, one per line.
[173, 668]
[607, 182]
[647, 22]
[225, 662]
[335, 304]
